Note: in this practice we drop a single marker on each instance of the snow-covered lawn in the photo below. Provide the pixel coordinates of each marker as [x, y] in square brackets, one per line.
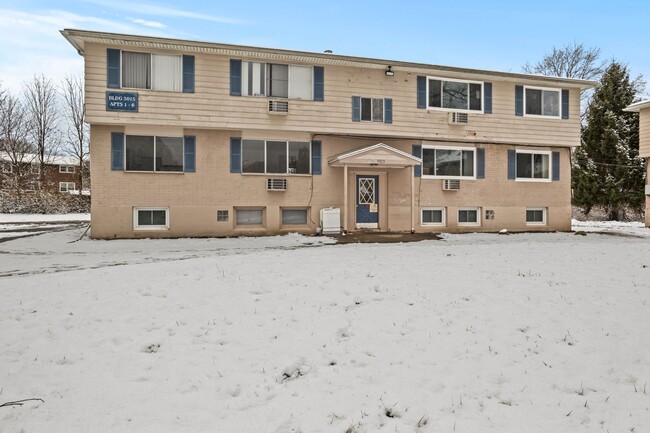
[472, 333]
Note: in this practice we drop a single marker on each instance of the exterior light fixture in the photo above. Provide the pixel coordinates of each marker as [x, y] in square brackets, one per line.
[389, 72]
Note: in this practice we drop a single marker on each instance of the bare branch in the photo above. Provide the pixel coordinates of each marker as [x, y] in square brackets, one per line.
[77, 134]
[20, 402]
[570, 61]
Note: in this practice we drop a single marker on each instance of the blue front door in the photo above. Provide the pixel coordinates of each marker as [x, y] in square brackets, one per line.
[367, 201]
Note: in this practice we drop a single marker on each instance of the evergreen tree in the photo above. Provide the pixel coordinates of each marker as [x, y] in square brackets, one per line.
[607, 170]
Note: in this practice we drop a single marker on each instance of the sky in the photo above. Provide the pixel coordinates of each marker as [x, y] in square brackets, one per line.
[495, 35]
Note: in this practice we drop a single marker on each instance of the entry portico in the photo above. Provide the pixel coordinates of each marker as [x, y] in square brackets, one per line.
[370, 197]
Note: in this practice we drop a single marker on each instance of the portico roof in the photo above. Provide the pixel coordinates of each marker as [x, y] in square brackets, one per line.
[378, 155]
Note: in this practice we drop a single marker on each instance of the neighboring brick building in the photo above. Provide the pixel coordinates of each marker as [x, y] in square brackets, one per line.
[61, 174]
[195, 139]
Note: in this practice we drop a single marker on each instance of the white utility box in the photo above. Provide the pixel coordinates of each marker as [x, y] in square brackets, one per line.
[330, 220]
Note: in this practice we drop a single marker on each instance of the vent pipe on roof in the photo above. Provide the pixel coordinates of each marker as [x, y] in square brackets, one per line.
[328, 51]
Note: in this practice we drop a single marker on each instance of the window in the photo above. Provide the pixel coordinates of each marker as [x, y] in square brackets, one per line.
[66, 186]
[34, 168]
[253, 78]
[542, 102]
[7, 167]
[489, 214]
[66, 169]
[469, 216]
[448, 162]
[249, 217]
[536, 216]
[533, 166]
[151, 218]
[150, 153]
[152, 71]
[433, 216]
[277, 81]
[372, 109]
[222, 215]
[277, 157]
[294, 216]
[33, 185]
[455, 95]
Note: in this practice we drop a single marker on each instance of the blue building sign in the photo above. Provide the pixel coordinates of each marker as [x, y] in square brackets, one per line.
[121, 101]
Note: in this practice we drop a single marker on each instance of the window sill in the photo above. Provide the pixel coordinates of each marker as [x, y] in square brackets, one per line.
[523, 179]
[428, 176]
[433, 225]
[469, 224]
[275, 174]
[151, 228]
[455, 110]
[153, 172]
[541, 116]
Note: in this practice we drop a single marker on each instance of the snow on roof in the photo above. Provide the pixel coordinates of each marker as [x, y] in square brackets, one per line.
[638, 106]
[51, 159]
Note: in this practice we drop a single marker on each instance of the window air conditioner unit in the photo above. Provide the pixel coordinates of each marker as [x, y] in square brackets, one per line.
[278, 107]
[458, 118]
[450, 184]
[276, 184]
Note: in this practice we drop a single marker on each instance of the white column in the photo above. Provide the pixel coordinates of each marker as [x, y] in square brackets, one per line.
[412, 197]
[345, 197]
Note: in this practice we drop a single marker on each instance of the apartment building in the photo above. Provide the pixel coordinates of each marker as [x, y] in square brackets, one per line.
[643, 108]
[61, 173]
[206, 139]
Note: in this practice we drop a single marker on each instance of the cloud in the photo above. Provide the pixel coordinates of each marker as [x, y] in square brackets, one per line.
[163, 11]
[147, 23]
[32, 44]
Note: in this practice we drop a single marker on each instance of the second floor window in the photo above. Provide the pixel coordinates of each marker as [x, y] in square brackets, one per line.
[152, 71]
[542, 102]
[372, 109]
[277, 80]
[455, 95]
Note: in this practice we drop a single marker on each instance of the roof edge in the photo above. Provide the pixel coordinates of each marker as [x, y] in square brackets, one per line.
[637, 106]
[78, 37]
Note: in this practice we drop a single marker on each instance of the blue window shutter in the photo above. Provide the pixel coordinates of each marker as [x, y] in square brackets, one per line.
[512, 164]
[519, 100]
[388, 110]
[356, 108]
[422, 92]
[556, 165]
[117, 151]
[480, 163]
[235, 77]
[417, 151]
[565, 104]
[319, 83]
[235, 154]
[316, 157]
[112, 68]
[487, 98]
[188, 74]
[190, 154]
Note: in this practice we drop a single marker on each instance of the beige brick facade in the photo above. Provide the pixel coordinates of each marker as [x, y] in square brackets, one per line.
[213, 116]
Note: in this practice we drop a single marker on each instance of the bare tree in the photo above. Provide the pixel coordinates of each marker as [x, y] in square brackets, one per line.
[41, 104]
[570, 61]
[14, 134]
[77, 135]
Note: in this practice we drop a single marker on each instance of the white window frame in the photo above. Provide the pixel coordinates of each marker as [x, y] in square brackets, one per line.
[440, 224]
[306, 209]
[67, 186]
[151, 227]
[267, 84]
[261, 209]
[151, 53]
[372, 109]
[266, 172]
[467, 224]
[291, 79]
[435, 176]
[66, 169]
[543, 89]
[457, 110]
[155, 137]
[537, 223]
[535, 179]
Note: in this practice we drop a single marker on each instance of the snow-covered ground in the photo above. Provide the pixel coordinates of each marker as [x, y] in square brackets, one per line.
[472, 333]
